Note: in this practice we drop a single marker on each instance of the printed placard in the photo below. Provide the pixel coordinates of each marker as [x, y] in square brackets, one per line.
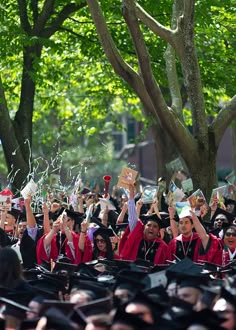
[218, 193]
[197, 199]
[187, 185]
[5, 203]
[149, 193]
[127, 177]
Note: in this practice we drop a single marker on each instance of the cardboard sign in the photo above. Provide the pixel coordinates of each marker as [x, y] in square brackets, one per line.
[197, 199]
[5, 203]
[177, 193]
[127, 177]
[174, 166]
[219, 194]
[187, 185]
[149, 193]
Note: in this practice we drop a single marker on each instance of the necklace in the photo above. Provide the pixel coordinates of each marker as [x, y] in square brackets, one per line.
[184, 250]
[61, 243]
[146, 251]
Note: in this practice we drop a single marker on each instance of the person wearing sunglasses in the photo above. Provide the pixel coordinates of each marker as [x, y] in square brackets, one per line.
[229, 245]
[102, 245]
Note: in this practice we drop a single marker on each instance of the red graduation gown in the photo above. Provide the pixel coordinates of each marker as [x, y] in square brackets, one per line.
[79, 256]
[130, 245]
[211, 254]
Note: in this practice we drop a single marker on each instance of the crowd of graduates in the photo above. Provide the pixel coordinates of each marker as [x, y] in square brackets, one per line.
[81, 264]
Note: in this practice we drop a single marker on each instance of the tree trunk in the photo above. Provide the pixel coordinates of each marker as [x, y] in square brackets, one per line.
[203, 173]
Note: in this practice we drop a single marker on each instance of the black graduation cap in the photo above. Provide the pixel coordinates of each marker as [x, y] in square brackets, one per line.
[56, 318]
[14, 308]
[22, 217]
[210, 293]
[55, 215]
[143, 298]
[49, 283]
[132, 284]
[120, 227]
[99, 290]
[158, 294]
[230, 217]
[76, 216]
[229, 294]
[64, 306]
[187, 273]
[39, 218]
[205, 317]
[21, 295]
[133, 320]
[31, 274]
[151, 217]
[104, 232]
[14, 212]
[97, 306]
[87, 270]
[229, 201]
[78, 317]
[63, 267]
[98, 222]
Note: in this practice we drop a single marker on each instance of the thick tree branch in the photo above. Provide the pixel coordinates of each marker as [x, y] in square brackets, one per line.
[159, 29]
[123, 69]
[169, 119]
[34, 8]
[223, 120]
[191, 72]
[170, 59]
[43, 17]
[173, 81]
[57, 22]
[24, 20]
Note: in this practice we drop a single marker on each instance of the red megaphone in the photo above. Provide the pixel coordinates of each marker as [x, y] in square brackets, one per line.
[106, 179]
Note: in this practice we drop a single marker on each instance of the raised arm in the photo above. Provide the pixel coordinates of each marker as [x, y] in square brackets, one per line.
[122, 214]
[173, 224]
[200, 230]
[46, 222]
[132, 212]
[83, 232]
[31, 222]
[55, 228]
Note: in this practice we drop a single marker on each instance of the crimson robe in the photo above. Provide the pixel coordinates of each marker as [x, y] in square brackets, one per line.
[79, 256]
[130, 245]
[211, 254]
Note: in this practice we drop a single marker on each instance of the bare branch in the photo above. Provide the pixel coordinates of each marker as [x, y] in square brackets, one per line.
[173, 81]
[223, 120]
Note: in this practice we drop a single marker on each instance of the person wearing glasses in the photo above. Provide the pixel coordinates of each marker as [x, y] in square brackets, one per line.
[229, 245]
[102, 245]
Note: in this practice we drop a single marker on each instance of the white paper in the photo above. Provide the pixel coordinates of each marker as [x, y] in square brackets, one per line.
[30, 189]
[106, 202]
